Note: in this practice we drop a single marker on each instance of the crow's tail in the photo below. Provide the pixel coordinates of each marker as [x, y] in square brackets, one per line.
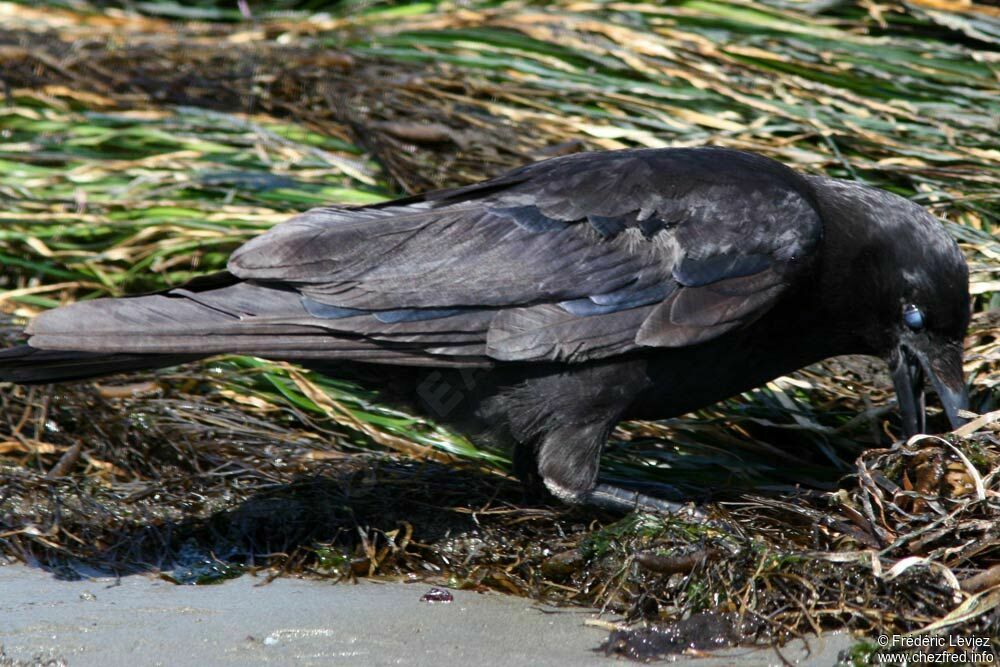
[28, 365]
[221, 315]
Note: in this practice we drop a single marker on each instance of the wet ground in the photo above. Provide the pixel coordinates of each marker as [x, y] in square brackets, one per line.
[142, 620]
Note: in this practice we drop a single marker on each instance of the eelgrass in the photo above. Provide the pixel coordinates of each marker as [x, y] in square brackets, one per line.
[128, 165]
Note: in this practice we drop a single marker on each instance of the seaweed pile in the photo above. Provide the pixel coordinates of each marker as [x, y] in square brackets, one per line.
[137, 150]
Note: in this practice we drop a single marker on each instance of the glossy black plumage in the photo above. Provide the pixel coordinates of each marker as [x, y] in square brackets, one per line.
[540, 308]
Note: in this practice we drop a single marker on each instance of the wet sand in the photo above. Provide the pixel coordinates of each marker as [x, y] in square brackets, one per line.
[141, 620]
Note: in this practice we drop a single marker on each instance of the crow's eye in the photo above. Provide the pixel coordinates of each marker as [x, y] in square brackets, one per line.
[913, 316]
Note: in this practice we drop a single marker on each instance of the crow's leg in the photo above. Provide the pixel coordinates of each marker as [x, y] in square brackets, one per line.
[619, 499]
[561, 422]
[568, 460]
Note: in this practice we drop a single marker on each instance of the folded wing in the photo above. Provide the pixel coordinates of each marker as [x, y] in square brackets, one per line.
[570, 259]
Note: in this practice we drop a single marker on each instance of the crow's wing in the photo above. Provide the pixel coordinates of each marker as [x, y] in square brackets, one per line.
[569, 259]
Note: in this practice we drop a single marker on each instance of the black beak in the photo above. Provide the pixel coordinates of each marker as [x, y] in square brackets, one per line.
[943, 366]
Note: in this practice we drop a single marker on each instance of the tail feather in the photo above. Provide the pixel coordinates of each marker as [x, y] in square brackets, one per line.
[103, 336]
[29, 365]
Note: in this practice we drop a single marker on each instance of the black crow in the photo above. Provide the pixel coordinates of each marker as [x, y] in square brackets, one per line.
[538, 309]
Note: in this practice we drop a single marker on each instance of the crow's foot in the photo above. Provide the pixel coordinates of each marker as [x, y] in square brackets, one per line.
[616, 498]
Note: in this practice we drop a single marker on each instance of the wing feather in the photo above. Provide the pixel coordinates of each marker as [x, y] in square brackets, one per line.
[700, 241]
[571, 259]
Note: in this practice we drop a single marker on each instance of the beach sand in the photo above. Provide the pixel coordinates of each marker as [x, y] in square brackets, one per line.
[143, 620]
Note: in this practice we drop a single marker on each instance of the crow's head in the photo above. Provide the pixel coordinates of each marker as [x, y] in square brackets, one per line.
[906, 289]
[931, 315]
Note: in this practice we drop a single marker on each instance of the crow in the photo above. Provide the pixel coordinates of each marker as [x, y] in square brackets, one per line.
[538, 309]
